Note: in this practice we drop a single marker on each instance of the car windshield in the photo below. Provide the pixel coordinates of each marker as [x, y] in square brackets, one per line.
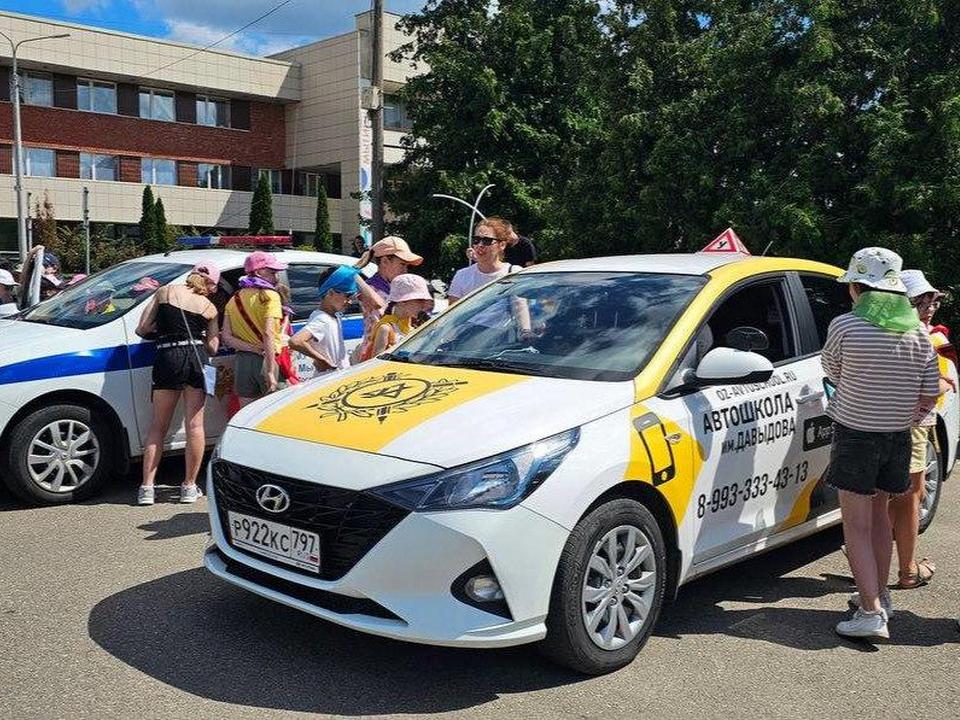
[581, 325]
[105, 296]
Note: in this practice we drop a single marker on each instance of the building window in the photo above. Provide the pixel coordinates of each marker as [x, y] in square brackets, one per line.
[214, 177]
[395, 114]
[98, 167]
[96, 96]
[36, 89]
[154, 171]
[276, 180]
[214, 112]
[39, 162]
[157, 105]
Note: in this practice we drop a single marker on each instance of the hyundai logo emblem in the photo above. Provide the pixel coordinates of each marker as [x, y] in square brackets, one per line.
[273, 498]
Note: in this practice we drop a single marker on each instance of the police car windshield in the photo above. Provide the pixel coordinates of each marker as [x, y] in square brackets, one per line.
[580, 325]
[105, 296]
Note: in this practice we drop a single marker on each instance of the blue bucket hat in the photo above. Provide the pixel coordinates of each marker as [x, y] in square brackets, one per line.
[343, 279]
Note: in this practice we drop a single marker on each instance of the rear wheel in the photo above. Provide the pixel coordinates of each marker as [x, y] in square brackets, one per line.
[608, 590]
[58, 454]
[933, 483]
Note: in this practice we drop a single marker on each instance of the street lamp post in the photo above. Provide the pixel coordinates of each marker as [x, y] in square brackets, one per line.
[17, 142]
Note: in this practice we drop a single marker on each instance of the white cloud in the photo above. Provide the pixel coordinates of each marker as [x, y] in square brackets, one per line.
[76, 7]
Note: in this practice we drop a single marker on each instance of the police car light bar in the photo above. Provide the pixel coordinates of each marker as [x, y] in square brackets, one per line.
[201, 241]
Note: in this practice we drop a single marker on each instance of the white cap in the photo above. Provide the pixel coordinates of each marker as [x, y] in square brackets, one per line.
[7, 279]
[917, 284]
[876, 268]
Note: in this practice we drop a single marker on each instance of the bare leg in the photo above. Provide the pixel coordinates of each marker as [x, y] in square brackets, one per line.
[857, 513]
[195, 400]
[882, 539]
[905, 517]
[164, 403]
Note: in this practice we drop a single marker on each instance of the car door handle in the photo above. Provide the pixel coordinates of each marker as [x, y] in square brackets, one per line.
[810, 397]
[674, 438]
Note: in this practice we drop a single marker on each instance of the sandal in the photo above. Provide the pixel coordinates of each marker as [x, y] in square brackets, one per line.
[923, 575]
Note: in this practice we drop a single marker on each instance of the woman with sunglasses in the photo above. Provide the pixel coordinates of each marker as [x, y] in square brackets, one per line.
[489, 243]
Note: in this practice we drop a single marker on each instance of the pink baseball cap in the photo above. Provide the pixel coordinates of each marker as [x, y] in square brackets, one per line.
[208, 270]
[409, 287]
[259, 260]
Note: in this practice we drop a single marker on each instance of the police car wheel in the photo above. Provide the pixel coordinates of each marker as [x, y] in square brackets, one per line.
[58, 454]
[933, 482]
[608, 589]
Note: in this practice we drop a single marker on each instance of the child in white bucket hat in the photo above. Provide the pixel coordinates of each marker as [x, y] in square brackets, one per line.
[885, 370]
[409, 300]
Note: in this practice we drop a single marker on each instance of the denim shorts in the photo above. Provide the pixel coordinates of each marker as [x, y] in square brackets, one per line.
[865, 462]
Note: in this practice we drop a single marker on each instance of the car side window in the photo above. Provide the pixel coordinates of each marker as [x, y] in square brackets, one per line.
[827, 299]
[302, 279]
[759, 306]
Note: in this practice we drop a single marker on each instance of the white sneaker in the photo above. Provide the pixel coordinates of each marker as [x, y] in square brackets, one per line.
[864, 624]
[190, 493]
[886, 602]
[145, 495]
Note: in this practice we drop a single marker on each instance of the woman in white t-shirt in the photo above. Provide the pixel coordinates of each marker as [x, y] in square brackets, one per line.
[489, 242]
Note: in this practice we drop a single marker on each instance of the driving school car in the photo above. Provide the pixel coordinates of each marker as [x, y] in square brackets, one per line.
[549, 459]
[75, 379]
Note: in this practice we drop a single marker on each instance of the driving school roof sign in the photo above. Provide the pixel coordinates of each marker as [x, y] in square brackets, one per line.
[726, 242]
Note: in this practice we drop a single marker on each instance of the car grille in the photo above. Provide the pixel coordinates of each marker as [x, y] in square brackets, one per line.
[349, 523]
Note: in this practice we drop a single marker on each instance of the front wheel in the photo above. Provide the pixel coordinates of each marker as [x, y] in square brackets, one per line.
[58, 454]
[933, 483]
[608, 590]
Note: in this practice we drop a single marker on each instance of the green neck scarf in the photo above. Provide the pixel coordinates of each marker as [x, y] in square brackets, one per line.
[888, 311]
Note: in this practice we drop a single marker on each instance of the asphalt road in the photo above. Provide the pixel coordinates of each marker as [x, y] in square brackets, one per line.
[105, 612]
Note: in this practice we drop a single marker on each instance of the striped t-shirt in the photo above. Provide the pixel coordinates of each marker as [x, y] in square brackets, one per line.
[879, 374]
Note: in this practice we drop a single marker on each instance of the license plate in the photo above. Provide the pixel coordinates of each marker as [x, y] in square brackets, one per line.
[276, 541]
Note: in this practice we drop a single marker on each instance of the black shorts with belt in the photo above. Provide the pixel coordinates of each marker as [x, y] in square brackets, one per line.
[176, 366]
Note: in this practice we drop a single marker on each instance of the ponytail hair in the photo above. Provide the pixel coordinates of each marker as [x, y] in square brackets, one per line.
[198, 284]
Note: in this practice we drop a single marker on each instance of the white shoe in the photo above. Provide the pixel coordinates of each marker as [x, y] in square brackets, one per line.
[864, 624]
[190, 493]
[145, 495]
[886, 602]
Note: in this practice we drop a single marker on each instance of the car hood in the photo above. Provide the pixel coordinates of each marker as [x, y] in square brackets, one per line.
[431, 414]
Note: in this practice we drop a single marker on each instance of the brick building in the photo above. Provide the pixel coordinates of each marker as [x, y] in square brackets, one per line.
[111, 112]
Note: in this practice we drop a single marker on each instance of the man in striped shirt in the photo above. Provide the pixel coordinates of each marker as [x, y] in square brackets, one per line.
[885, 371]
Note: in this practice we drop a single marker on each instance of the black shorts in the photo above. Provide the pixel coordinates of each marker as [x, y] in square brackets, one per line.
[865, 462]
[177, 368]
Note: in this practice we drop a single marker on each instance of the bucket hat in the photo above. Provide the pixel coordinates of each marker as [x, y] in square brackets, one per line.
[409, 287]
[917, 284]
[877, 268]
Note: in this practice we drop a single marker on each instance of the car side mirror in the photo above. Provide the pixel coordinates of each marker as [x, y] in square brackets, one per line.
[726, 366]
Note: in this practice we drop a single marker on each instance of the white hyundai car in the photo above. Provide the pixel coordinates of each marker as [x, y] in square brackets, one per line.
[550, 459]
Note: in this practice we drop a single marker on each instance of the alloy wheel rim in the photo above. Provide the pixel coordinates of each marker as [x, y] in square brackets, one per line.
[931, 481]
[63, 456]
[618, 587]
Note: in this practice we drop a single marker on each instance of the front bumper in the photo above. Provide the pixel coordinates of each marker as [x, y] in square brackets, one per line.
[401, 588]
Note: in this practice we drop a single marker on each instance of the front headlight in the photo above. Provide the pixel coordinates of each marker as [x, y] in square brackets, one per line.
[497, 483]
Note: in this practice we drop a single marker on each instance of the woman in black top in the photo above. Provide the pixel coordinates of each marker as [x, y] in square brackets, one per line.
[184, 322]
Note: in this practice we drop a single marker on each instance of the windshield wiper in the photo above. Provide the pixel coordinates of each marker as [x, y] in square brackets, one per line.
[394, 357]
[488, 364]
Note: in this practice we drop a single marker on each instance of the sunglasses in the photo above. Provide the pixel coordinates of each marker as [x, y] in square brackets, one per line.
[480, 240]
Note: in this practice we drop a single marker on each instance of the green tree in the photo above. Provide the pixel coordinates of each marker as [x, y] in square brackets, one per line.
[45, 224]
[322, 240]
[261, 209]
[148, 221]
[161, 243]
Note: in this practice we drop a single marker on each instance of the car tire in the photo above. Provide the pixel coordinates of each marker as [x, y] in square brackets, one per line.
[582, 593]
[934, 486]
[80, 448]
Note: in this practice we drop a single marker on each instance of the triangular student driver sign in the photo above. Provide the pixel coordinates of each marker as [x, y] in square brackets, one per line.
[726, 242]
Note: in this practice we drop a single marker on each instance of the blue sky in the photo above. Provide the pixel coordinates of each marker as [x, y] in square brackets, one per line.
[204, 21]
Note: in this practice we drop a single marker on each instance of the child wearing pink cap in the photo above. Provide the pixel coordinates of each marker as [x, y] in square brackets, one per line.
[409, 299]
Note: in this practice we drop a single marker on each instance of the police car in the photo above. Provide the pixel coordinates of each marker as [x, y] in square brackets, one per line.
[75, 379]
[549, 459]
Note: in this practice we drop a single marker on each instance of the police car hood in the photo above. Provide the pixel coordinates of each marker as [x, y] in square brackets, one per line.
[22, 341]
[431, 414]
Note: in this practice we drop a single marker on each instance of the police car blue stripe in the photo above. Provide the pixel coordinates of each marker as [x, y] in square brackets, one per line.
[83, 362]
